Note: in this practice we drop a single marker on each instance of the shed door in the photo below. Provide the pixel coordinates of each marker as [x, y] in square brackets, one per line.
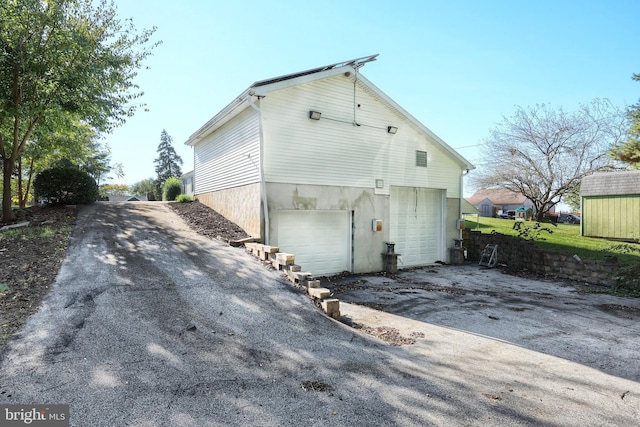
[319, 239]
[416, 225]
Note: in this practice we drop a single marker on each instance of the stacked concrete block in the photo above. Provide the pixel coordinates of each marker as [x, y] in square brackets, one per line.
[286, 263]
[283, 261]
[331, 306]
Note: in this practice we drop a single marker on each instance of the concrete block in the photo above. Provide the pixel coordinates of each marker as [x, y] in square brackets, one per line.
[251, 247]
[319, 293]
[331, 306]
[270, 249]
[313, 284]
[297, 276]
[295, 268]
[285, 259]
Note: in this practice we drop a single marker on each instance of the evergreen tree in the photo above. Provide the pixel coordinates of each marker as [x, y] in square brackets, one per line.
[629, 151]
[168, 162]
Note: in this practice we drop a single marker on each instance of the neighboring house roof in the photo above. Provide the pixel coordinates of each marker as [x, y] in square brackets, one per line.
[611, 184]
[468, 208]
[262, 88]
[127, 199]
[187, 175]
[497, 196]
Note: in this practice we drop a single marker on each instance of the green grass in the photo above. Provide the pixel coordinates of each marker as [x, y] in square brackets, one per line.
[564, 238]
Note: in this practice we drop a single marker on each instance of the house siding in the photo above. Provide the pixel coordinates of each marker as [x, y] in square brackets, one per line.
[230, 156]
[334, 151]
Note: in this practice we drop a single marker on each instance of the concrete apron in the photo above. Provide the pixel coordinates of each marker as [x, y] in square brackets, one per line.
[505, 374]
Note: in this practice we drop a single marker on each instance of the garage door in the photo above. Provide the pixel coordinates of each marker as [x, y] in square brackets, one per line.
[416, 225]
[320, 240]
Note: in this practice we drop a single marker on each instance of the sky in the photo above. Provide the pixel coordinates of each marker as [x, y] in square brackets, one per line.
[459, 67]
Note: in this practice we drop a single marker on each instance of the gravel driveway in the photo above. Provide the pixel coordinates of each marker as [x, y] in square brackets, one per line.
[596, 330]
[149, 324]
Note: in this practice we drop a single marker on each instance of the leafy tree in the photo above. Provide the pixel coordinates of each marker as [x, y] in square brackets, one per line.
[544, 153]
[144, 187]
[168, 162]
[114, 190]
[58, 58]
[629, 150]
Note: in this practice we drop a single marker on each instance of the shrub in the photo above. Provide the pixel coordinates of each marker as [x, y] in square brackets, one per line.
[627, 280]
[66, 185]
[184, 198]
[171, 189]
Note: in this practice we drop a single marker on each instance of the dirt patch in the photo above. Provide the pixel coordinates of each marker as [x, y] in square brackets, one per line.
[207, 222]
[31, 257]
[389, 335]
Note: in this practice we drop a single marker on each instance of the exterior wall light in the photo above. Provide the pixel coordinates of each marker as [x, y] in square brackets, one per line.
[315, 115]
[392, 129]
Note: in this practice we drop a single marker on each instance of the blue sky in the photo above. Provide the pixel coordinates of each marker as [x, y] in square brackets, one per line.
[457, 66]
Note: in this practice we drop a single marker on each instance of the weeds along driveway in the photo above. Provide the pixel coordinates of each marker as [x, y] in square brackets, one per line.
[148, 324]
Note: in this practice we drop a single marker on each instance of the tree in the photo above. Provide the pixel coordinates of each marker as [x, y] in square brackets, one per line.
[144, 187]
[114, 190]
[168, 162]
[63, 57]
[544, 153]
[629, 150]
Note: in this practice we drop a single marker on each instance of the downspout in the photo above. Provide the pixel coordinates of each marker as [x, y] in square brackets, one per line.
[462, 175]
[263, 185]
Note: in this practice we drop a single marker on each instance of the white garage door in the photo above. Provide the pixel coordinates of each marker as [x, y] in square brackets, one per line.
[320, 240]
[416, 225]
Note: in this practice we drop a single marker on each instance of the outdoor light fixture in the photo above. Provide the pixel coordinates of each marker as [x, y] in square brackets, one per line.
[392, 129]
[315, 115]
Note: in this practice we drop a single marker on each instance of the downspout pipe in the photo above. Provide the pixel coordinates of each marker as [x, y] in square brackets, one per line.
[464, 173]
[263, 184]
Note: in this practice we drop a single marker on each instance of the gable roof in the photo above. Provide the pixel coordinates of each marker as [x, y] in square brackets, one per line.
[611, 184]
[497, 196]
[262, 88]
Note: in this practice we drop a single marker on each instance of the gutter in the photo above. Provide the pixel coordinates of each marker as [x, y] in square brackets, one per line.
[462, 175]
[263, 184]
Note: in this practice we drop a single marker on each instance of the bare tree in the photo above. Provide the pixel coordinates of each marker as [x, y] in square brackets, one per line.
[543, 153]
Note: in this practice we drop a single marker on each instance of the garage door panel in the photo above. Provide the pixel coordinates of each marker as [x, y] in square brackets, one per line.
[416, 217]
[320, 240]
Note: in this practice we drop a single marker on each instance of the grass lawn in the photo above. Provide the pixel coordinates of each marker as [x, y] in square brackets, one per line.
[564, 238]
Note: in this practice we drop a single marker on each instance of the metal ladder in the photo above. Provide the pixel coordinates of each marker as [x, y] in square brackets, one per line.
[489, 256]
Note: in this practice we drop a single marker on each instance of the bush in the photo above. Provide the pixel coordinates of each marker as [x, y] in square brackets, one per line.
[171, 189]
[627, 280]
[184, 198]
[66, 185]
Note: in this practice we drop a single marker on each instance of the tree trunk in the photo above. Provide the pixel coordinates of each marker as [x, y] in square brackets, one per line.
[19, 174]
[7, 172]
[26, 192]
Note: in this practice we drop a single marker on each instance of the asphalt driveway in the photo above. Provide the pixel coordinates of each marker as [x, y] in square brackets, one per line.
[149, 324]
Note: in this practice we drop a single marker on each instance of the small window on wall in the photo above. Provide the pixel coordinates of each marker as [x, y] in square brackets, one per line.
[421, 159]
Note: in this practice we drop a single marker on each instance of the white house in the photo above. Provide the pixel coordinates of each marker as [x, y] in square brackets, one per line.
[324, 165]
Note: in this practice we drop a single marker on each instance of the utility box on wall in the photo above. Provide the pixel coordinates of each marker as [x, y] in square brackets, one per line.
[377, 225]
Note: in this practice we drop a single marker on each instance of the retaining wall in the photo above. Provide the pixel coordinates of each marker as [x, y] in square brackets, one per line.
[523, 255]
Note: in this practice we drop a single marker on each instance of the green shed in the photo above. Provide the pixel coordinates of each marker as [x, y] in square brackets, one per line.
[611, 205]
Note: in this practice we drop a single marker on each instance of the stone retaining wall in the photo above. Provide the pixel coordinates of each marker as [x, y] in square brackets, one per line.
[523, 255]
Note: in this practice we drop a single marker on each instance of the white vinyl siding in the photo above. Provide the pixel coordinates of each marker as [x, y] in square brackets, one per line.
[334, 151]
[230, 156]
[416, 225]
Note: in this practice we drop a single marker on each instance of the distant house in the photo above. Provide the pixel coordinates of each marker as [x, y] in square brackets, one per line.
[187, 183]
[324, 165]
[127, 199]
[496, 200]
[611, 205]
